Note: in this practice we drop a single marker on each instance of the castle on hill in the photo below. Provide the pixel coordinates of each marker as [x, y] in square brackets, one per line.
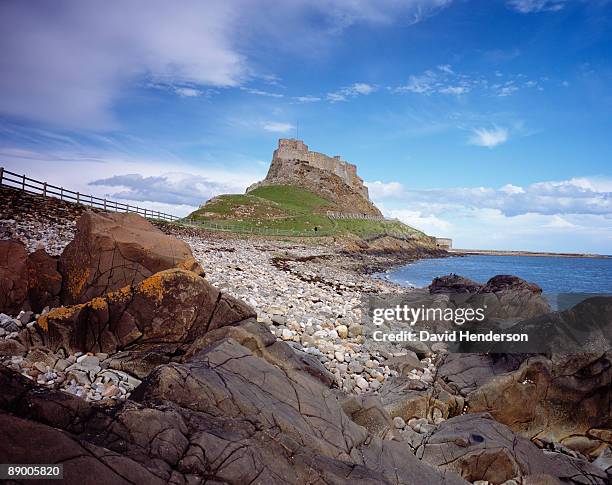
[330, 177]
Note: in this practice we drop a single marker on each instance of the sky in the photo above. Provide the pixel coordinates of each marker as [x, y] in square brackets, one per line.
[487, 121]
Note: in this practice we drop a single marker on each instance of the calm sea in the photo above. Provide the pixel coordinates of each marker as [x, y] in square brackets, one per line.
[553, 274]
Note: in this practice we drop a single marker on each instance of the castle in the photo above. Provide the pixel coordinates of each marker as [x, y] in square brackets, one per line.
[291, 149]
[331, 177]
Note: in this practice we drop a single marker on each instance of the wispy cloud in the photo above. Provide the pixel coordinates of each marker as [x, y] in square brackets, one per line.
[307, 99]
[356, 89]
[489, 138]
[260, 92]
[277, 127]
[446, 80]
[175, 188]
[188, 92]
[529, 6]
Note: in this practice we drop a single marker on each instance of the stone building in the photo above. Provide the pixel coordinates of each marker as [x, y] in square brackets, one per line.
[330, 177]
[292, 149]
[444, 243]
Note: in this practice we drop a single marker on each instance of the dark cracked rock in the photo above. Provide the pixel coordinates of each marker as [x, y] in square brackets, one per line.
[236, 410]
[479, 448]
[558, 398]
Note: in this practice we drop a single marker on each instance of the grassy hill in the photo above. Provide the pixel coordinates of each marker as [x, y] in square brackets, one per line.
[286, 210]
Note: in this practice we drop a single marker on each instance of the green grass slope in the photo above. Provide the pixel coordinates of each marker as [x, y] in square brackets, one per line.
[287, 210]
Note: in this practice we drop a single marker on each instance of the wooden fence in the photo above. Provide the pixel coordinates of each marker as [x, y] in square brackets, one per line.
[26, 184]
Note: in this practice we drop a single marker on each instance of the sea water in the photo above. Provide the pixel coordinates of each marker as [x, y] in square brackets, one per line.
[554, 275]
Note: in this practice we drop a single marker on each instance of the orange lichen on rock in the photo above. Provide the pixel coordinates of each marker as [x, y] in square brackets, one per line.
[60, 313]
[120, 295]
[153, 286]
[98, 303]
[76, 281]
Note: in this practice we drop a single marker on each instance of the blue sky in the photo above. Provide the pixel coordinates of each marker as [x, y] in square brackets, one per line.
[485, 121]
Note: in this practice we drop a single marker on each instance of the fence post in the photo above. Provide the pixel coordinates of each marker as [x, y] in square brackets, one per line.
[45, 189]
[91, 200]
[78, 198]
[23, 177]
[145, 212]
[61, 193]
[1, 174]
[104, 204]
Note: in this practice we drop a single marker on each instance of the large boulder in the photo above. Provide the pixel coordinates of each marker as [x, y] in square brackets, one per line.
[553, 399]
[453, 284]
[503, 296]
[558, 399]
[113, 250]
[13, 277]
[170, 310]
[44, 281]
[479, 448]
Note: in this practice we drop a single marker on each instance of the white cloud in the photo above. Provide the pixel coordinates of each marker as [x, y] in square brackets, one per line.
[71, 68]
[444, 80]
[559, 222]
[68, 69]
[168, 185]
[529, 6]
[512, 189]
[585, 195]
[507, 89]
[360, 88]
[277, 127]
[569, 215]
[336, 97]
[422, 84]
[489, 137]
[457, 90]
[429, 224]
[172, 188]
[356, 89]
[307, 99]
[382, 190]
[188, 92]
[259, 92]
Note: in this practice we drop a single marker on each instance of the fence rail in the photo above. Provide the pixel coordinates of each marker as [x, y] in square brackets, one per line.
[262, 231]
[26, 184]
[344, 215]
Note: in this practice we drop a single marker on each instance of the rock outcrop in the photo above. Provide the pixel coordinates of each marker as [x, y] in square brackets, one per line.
[112, 250]
[27, 282]
[331, 178]
[44, 281]
[13, 276]
[170, 309]
[240, 407]
[479, 448]
[503, 296]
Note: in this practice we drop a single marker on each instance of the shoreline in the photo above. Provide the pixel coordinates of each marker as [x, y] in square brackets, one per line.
[535, 254]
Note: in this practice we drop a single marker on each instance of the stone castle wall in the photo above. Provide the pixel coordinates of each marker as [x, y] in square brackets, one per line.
[291, 149]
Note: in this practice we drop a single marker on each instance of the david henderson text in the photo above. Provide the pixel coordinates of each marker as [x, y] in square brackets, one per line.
[454, 336]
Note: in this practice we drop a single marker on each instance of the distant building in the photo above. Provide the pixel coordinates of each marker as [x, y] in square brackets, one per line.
[444, 243]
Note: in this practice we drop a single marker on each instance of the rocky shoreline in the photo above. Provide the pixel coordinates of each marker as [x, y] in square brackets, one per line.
[305, 294]
[186, 357]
